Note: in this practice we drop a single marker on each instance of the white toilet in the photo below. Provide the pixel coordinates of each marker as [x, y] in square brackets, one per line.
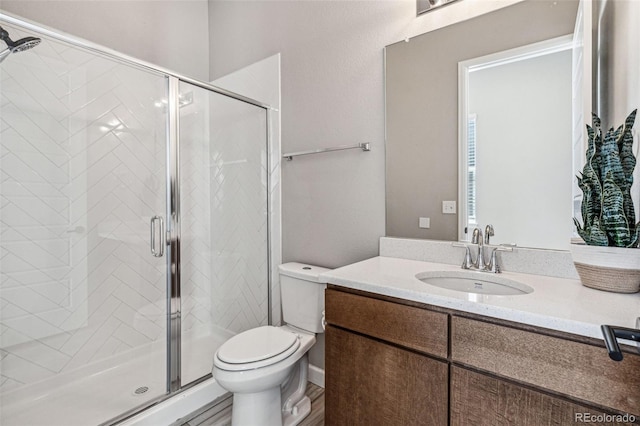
[266, 367]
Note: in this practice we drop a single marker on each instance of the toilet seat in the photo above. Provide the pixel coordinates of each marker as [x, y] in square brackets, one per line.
[256, 348]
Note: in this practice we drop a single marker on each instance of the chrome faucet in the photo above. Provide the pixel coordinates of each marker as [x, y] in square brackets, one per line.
[477, 239]
[480, 263]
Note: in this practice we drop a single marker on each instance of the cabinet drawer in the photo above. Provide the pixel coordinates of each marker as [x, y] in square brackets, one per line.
[419, 329]
[575, 369]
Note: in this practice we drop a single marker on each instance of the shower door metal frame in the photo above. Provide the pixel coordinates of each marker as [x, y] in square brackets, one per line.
[174, 297]
[172, 238]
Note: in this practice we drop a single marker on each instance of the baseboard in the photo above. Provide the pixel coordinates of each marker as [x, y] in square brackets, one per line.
[316, 375]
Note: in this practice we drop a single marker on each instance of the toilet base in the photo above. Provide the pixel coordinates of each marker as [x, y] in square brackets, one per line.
[260, 408]
[298, 413]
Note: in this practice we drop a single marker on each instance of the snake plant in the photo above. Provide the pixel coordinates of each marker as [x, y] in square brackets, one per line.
[608, 216]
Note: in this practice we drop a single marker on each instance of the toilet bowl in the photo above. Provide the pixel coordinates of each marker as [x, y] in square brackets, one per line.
[266, 367]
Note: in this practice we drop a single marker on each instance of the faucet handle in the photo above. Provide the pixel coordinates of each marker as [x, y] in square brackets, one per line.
[493, 263]
[467, 262]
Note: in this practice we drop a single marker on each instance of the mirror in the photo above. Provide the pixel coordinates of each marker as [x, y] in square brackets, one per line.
[422, 109]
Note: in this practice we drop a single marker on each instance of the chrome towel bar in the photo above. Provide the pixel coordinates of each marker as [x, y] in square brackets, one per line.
[363, 146]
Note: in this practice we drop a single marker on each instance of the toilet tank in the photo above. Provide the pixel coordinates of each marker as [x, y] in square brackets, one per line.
[302, 294]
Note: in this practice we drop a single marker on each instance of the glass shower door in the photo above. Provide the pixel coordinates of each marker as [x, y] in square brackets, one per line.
[224, 223]
[83, 303]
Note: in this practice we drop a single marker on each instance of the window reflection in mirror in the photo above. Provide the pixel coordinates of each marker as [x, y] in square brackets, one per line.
[516, 162]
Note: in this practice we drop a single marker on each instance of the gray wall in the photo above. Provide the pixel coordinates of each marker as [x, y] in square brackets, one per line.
[172, 34]
[422, 108]
[332, 94]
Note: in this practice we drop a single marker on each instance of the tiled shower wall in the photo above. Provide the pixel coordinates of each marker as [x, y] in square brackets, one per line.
[82, 165]
[261, 81]
[224, 213]
[224, 262]
[239, 225]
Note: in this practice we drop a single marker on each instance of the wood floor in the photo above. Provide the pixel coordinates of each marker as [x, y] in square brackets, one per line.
[316, 394]
[210, 416]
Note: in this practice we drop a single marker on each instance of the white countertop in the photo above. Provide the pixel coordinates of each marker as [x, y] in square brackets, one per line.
[556, 303]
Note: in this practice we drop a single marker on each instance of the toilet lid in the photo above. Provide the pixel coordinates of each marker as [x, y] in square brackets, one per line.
[256, 344]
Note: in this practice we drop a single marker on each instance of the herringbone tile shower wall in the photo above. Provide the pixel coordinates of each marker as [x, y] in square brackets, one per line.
[224, 215]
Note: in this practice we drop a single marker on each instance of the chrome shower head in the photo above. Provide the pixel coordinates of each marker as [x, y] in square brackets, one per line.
[23, 44]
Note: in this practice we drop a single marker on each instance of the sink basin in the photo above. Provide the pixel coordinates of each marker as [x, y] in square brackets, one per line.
[474, 282]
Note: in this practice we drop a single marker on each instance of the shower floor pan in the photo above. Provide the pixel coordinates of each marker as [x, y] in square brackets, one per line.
[110, 389]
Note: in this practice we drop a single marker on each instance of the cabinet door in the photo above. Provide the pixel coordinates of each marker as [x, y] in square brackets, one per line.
[479, 400]
[369, 382]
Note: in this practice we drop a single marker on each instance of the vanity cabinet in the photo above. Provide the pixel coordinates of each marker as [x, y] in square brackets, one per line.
[395, 362]
[385, 363]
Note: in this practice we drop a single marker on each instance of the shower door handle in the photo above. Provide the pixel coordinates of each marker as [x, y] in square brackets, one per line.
[157, 231]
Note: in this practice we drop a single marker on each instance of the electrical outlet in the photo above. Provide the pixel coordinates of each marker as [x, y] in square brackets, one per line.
[424, 222]
[449, 207]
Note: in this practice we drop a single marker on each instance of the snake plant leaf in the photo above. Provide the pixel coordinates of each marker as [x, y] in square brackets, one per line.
[587, 206]
[625, 147]
[614, 221]
[596, 236]
[595, 120]
[590, 135]
[591, 186]
[610, 158]
[635, 239]
[628, 161]
[581, 231]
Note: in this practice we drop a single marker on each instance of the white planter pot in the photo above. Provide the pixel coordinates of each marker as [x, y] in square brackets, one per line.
[614, 269]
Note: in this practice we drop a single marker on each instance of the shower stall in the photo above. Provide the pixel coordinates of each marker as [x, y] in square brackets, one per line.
[134, 229]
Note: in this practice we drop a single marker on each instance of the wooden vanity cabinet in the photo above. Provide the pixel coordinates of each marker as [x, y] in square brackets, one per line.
[391, 362]
[381, 363]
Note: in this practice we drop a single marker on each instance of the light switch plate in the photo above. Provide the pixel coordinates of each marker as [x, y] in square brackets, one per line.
[449, 207]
